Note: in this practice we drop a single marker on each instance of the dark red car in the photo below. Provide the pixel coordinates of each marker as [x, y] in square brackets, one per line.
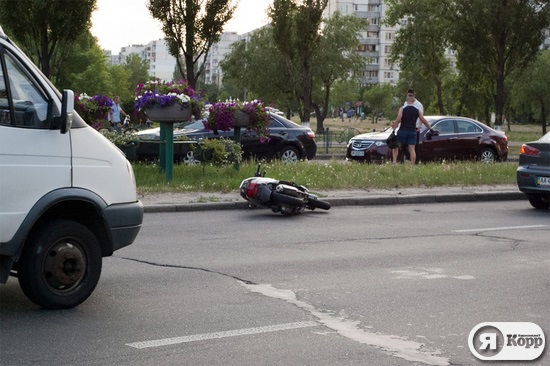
[454, 138]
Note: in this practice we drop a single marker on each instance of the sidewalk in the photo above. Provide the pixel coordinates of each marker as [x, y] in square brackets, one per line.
[200, 201]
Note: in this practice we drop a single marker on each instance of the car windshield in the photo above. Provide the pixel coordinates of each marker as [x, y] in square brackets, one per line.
[197, 125]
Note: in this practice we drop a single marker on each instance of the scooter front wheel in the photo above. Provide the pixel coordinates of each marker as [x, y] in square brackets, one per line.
[283, 199]
[314, 203]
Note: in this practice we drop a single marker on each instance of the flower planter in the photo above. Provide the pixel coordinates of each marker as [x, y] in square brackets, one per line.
[173, 113]
[242, 119]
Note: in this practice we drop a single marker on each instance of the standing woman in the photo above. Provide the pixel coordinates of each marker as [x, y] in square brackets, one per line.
[114, 115]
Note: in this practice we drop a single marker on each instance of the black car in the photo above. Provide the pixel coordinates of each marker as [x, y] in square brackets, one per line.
[454, 138]
[533, 173]
[286, 140]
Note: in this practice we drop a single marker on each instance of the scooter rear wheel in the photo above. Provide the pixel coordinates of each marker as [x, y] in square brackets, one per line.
[283, 199]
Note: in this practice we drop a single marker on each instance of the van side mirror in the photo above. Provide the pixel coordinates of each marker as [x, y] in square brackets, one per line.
[67, 109]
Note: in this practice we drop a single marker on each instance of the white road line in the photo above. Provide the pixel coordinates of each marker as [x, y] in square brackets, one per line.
[217, 335]
[500, 228]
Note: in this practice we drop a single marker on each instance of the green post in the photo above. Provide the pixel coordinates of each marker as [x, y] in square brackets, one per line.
[237, 136]
[327, 137]
[162, 149]
[167, 149]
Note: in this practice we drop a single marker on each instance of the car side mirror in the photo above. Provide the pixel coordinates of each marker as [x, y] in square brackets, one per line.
[432, 133]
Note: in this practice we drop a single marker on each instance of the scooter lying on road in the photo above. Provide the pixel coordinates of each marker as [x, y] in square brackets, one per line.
[285, 197]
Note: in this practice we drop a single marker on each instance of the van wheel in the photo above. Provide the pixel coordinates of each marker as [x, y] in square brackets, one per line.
[60, 265]
[290, 154]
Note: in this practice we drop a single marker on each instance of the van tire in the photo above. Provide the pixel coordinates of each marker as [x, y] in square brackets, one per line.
[61, 264]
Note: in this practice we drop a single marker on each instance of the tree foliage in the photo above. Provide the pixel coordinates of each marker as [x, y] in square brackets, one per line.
[532, 89]
[379, 99]
[498, 37]
[296, 31]
[419, 45]
[259, 67]
[46, 30]
[191, 28]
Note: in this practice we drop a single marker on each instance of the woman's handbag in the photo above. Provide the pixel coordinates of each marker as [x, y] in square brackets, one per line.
[392, 141]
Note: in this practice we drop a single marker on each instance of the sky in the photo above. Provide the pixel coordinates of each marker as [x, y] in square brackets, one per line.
[120, 23]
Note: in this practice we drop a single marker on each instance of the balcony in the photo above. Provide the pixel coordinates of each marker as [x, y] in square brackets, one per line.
[371, 41]
[368, 14]
[370, 53]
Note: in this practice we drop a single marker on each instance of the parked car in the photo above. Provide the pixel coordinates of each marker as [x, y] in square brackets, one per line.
[454, 138]
[533, 173]
[287, 140]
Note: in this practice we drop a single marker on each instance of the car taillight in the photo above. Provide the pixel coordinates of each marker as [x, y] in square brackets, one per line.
[528, 150]
[311, 134]
[252, 190]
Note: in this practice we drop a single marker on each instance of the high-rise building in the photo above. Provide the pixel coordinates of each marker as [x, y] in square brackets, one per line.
[212, 70]
[161, 62]
[375, 40]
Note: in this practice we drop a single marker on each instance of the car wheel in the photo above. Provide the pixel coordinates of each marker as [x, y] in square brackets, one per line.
[60, 265]
[290, 154]
[538, 201]
[190, 159]
[487, 155]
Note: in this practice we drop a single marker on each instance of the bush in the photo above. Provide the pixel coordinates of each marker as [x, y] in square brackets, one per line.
[223, 151]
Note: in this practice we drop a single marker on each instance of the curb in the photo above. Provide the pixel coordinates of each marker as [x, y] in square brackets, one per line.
[350, 201]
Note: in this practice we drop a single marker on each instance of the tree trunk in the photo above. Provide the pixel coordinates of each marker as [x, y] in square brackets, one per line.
[439, 88]
[44, 56]
[543, 116]
[306, 77]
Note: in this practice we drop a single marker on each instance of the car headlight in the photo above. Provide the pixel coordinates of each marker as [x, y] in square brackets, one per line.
[380, 143]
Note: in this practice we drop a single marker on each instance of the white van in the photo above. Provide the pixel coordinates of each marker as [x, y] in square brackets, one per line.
[67, 194]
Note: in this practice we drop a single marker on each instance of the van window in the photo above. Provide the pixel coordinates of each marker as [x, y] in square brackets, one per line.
[29, 104]
[5, 118]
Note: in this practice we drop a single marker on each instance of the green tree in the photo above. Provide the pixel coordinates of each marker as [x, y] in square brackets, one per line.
[334, 59]
[379, 98]
[419, 45]
[88, 71]
[259, 68]
[532, 88]
[191, 28]
[493, 39]
[296, 25]
[139, 70]
[343, 91]
[46, 30]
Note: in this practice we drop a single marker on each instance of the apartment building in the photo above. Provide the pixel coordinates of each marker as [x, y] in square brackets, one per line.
[161, 63]
[375, 40]
[212, 71]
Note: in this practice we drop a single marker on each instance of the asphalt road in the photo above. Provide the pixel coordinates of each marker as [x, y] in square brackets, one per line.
[381, 285]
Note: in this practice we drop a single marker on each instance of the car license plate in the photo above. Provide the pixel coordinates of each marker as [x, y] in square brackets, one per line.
[543, 181]
[357, 153]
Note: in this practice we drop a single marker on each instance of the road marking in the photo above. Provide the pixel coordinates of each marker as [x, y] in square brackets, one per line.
[427, 273]
[217, 335]
[500, 228]
[395, 345]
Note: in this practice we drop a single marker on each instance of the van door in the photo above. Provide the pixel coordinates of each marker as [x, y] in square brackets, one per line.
[30, 151]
